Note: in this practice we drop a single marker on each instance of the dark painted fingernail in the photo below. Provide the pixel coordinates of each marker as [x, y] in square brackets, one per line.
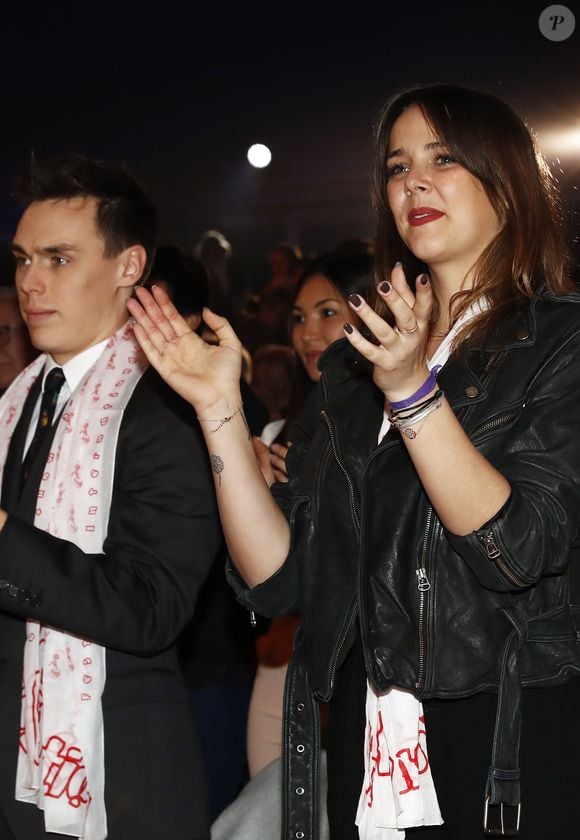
[385, 287]
[347, 328]
[356, 300]
[424, 279]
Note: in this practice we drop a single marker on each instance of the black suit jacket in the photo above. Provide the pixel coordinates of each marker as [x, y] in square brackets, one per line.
[134, 598]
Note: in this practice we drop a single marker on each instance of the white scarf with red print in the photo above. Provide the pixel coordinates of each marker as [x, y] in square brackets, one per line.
[61, 755]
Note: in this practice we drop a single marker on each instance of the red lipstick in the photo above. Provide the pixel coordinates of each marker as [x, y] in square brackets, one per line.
[423, 215]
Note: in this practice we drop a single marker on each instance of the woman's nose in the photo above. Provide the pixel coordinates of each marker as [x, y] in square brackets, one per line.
[417, 180]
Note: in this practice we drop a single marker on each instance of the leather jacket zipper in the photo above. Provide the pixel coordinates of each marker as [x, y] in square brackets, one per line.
[343, 469]
[353, 607]
[495, 555]
[343, 636]
[488, 539]
[491, 424]
[423, 585]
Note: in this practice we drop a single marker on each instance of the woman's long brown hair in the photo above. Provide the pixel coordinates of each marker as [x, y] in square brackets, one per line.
[491, 141]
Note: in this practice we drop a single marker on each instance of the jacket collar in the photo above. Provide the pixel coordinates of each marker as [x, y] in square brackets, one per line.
[463, 377]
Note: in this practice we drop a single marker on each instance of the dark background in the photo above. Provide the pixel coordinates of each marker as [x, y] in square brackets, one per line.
[179, 91]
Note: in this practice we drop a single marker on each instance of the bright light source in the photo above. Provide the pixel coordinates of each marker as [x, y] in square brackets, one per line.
[561, 142]
[259, 155]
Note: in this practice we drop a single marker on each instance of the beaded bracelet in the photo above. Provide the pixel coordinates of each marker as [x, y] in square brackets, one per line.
[421, 392]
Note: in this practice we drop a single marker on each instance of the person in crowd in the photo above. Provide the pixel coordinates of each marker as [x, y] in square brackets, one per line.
[227, 280]
[318, 314]
[286, 265]
[272, 377]
[428, 534]
[108, 527]
[184, 278]
[16, 351]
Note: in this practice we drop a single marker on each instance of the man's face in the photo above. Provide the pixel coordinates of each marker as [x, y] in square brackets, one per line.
[71, 295]
[15, 349]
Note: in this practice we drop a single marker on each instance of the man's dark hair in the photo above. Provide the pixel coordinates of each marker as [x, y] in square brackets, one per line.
[125, 214]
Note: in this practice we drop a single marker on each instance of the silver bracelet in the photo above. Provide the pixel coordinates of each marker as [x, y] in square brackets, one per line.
[403, 424]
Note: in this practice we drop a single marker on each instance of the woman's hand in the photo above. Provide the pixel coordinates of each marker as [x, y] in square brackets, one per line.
[206, 375]
[272, 461]
[400, 354]
[278, 454]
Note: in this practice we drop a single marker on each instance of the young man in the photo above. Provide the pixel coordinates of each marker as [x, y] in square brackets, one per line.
[108, 528]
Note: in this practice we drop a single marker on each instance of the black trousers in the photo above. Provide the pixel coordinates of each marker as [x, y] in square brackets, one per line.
[459, 741]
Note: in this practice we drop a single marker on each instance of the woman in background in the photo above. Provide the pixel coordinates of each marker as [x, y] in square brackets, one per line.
[318, 313]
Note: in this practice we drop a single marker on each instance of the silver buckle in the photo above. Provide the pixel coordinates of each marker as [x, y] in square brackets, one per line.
[503, 832]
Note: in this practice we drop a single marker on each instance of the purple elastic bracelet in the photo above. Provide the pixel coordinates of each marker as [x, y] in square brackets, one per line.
[425, 388]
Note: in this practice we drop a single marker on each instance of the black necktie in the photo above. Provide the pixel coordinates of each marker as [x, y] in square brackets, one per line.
[52, 385]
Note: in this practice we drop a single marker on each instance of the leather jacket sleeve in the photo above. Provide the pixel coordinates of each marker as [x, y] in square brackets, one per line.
[279, 595]
[532, 535]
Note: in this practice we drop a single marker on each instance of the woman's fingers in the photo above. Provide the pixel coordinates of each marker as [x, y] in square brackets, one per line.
[161, 315]
[423, 298]
[407, 335]
[399, 283]
[409, 320]
[278, 457]
[280, 476]
[366, 348]
[222, 328]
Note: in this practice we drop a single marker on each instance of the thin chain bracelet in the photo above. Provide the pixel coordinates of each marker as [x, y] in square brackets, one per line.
[222, 422]
[404, 424]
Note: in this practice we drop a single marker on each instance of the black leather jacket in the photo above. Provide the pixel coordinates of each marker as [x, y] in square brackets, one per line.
[440, 614]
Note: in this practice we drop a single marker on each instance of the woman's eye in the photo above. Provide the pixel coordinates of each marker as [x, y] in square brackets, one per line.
[296, 318]
[396, 169]
[445, 159]
[328, 312]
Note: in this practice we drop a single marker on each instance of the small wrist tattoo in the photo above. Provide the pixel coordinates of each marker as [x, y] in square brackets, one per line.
[217, 466]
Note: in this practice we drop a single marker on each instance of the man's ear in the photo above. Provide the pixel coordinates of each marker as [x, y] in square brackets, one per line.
[131, 265]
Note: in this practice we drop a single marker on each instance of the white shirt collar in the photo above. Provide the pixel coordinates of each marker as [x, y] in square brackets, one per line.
[75, 369]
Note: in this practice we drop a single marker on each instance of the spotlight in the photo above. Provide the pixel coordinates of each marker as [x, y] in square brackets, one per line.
[562, 142]
[259, 155]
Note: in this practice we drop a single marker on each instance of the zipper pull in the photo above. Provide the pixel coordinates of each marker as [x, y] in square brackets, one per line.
[423, 584]
[490, 546]
[253, 621]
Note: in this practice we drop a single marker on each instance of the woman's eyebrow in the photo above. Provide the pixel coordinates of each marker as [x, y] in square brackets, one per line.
[435, 144]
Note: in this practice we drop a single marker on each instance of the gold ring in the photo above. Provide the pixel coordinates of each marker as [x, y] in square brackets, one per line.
[408, 332]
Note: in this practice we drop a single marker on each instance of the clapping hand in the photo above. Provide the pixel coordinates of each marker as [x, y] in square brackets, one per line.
[206, 375]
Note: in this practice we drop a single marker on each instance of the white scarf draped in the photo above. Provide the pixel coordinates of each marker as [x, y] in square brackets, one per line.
[398, 790]
[61, 755]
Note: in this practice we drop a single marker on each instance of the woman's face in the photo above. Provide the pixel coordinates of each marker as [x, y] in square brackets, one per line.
[441, 210]
[318, 315]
